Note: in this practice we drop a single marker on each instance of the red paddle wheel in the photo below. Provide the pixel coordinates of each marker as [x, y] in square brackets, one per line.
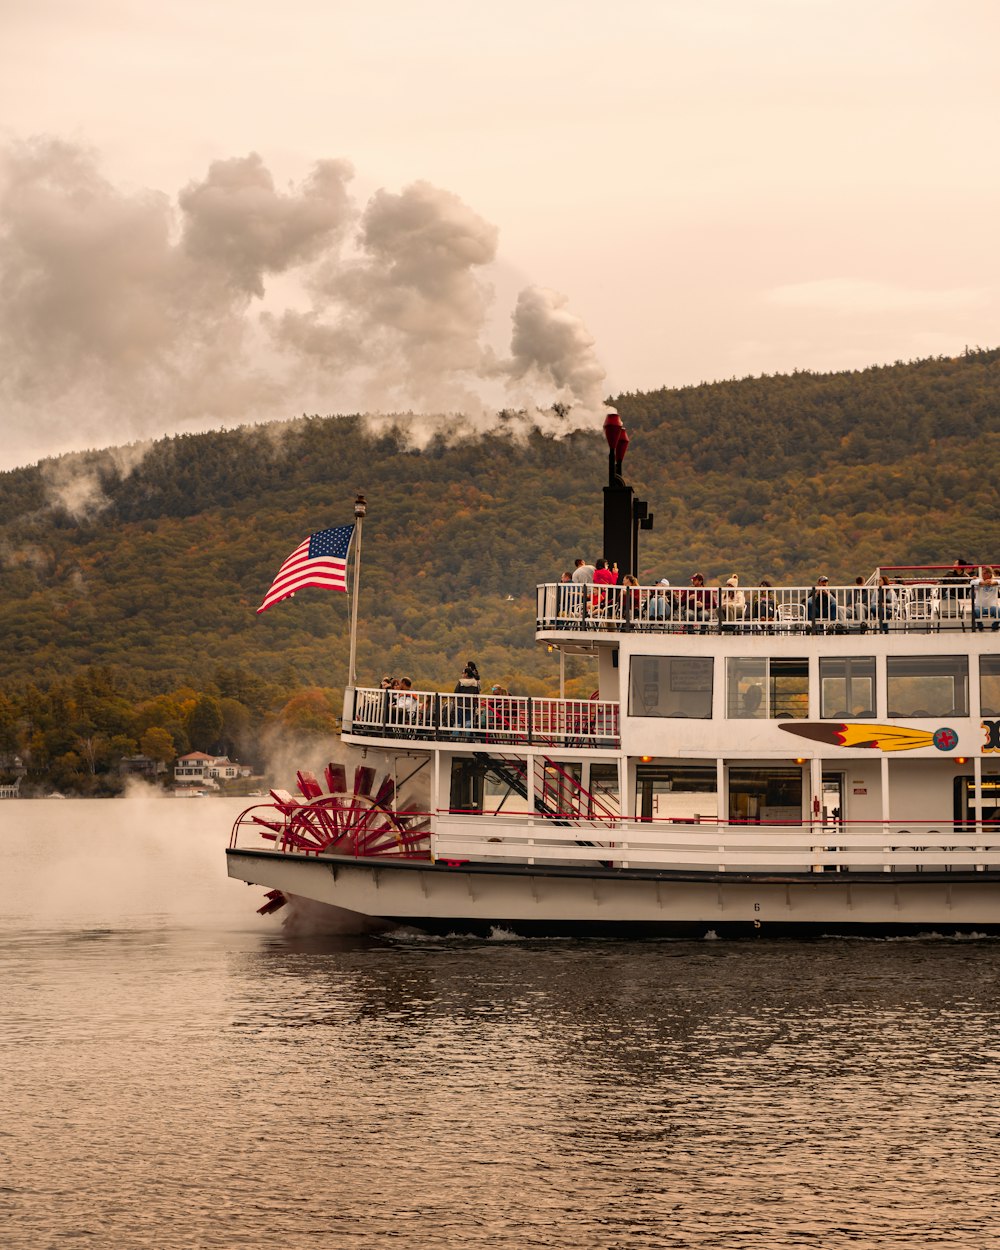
[337, 821]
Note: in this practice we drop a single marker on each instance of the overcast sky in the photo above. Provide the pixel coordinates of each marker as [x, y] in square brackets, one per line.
[214, 211]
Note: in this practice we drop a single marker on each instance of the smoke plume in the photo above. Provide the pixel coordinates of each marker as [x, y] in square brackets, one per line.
[126, 315]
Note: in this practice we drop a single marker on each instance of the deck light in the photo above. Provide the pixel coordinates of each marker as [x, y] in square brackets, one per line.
[801, 759]
[961, 759]
[645, 758]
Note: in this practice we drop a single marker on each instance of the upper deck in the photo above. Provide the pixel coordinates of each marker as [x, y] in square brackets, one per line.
[897, 600]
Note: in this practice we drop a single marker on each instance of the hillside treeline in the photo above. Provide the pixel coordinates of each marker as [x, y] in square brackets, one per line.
[145, 580]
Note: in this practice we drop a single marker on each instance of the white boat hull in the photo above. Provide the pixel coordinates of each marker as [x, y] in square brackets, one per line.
[558, 901]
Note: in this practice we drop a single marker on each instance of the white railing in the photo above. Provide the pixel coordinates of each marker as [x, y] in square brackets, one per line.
[702, 846]
[484, 718]
[718, 847]
[780, 609]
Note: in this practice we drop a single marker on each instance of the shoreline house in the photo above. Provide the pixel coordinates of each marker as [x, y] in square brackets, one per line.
[141, 766]
[199, 769]
[12, 769]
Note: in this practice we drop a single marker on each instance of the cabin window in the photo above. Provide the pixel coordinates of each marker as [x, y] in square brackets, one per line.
[965, 801]
[765, 794]
[676, 792]
[604, 799]
[989, 685]
[671, 685]
[847, 686]
[927, 685]
[467, 778]
[560, 787]
[766, 689]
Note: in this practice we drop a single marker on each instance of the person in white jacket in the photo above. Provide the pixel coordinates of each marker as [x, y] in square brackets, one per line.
[733, 600]
[986, 599]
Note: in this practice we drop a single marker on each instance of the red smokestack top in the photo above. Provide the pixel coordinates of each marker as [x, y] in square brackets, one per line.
[613, 429]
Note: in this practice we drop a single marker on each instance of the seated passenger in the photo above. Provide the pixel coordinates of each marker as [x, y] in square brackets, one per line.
[859, 606]
[696, 604]
[733, 601]
[886, 603]
[986, 599]
[762, 605]
[565, 596]
[821, 605]
[633, 599]
[603, 576]
[658, 607]
[406, 701]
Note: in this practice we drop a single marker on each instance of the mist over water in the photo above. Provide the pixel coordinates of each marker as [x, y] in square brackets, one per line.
[175, 1072]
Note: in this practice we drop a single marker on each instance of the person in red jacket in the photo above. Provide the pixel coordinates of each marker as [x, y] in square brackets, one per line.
[603, 576]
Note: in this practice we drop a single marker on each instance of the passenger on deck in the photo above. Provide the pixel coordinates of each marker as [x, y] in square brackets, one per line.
[633, 599]
[859, 608]
[955, 589]
[762, 605]
[467, 684]
[582, 571]
[886, 603]
[986, 599]
[958, 575]
[658, 608]
[564, 596]
[603, 576]
[696, 604]
[733, 601]
[405, 701]
[821, 605]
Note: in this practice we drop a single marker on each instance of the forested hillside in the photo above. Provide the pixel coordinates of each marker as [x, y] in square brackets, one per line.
[129, 594]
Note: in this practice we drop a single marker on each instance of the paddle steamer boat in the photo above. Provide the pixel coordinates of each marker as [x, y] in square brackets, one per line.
[754, 762]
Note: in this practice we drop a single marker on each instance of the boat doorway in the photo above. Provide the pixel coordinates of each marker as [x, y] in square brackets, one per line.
[762, 795]
[832, 810]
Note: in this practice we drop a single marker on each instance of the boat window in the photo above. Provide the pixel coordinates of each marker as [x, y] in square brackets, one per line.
[847, 686]
[989, 685]
[560, 787]
[671, 685]
[467, 778]
[927, 685]
[965, 801]
[764, 689]
[765, 794]
[676, 792]
[603, 797]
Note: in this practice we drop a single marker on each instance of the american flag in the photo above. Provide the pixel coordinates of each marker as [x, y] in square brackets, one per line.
[321, 560]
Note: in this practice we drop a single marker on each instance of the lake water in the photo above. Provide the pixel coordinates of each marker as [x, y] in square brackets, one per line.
[175, 1072]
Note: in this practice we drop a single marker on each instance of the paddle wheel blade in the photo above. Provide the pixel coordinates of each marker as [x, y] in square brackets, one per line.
[275, 901]
[336, 778]
[383, 796]
[308, 785]
[364, 778]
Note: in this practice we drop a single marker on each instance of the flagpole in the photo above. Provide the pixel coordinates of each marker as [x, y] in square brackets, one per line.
[360, 508]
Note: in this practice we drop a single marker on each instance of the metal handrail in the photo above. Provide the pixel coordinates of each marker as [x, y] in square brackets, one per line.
[917, 605]
[488, 718]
